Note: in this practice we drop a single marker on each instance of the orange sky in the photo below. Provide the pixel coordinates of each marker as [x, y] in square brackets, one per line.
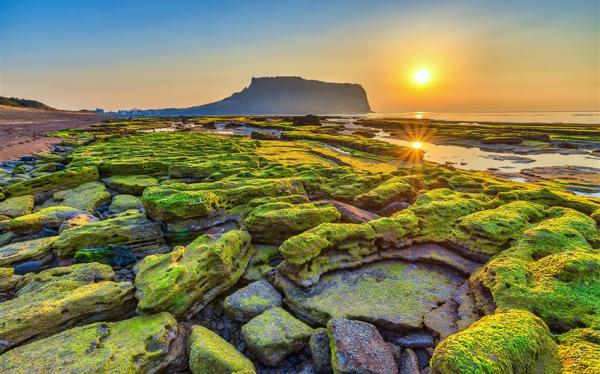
[482, 57]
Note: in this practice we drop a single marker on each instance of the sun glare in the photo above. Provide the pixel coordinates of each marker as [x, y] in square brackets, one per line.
[417, 145]
[422, 77]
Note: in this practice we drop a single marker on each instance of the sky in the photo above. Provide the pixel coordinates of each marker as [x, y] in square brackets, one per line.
[481, 55]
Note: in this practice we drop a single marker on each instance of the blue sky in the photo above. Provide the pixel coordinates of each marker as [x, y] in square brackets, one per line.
[484, 55]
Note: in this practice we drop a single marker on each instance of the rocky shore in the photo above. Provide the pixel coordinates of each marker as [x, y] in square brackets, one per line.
[151, 246]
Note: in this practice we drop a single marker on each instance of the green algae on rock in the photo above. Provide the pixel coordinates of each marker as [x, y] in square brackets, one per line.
[131, 184]
[579, 351]
[8, 279]
[210, 354]
[123, 203]
[274, 334]
[392, 294]
[394, 189]
[17, 206]
[51, 217]
[130, 228]
[144, 344]
[88, 196]
[59, 298]
[252, 300]
[169, 204]
[331, 246]
[273, 223]
[191, 276]
[37, 249]
[60, 180]
[511, 341]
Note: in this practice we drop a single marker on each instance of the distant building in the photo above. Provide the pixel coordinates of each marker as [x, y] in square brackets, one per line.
[99, 110]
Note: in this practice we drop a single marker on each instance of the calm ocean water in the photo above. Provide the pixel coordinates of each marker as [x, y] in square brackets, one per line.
[591, 117]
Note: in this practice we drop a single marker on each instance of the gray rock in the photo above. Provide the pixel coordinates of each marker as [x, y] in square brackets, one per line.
[357, 347]
[416, 340]
[410, 362]
[274, 334]
[252, 300]
[319, 348]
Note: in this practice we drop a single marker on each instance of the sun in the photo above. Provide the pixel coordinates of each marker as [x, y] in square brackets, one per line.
[417, 145]
[422, 77]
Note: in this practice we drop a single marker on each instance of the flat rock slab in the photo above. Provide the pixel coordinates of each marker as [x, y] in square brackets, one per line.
[392, 294]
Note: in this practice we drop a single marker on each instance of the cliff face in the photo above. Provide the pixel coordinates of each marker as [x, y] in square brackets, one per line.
[284, 95]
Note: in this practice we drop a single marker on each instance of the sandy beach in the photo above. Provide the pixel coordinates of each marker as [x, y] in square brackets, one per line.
[23, 131]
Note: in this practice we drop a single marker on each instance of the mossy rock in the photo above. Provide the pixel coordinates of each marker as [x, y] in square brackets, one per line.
[513, 341]
[490, 231]
[191, 276]
[131, 184]
[210, 354]
[143, 344]
[60, 180]
[51, 217]
[252, 300]
[130, 228]
[17, 206]
[551, 197]
[113, 255]
[274, 334]
[394, 189]
[59, 298]
[563, 288]
[171, 205]
[8, 279]
[579, 351]
[88, 196]
[123, 203]
[393, 295]
[273, 223]
[332, 246]
[37, 249]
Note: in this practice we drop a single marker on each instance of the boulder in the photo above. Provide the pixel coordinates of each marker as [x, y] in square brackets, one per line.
[144, 344]
[210, 354]
[501, 140]
[392, 190]
[320, 352]
[352, 214]
[131, 184]
[252, 300]
[59, 298]
[8, 279]
[131, 228]
[123, 203]
[37, 249]
[274, 334]
[393, 295]
[171, 205]
[50, 218]
[58, 181]
[409, 363]
[357, 347]
[88, 196]
[273, 223]
[17, 206]
[513, 341]
[190, 277]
